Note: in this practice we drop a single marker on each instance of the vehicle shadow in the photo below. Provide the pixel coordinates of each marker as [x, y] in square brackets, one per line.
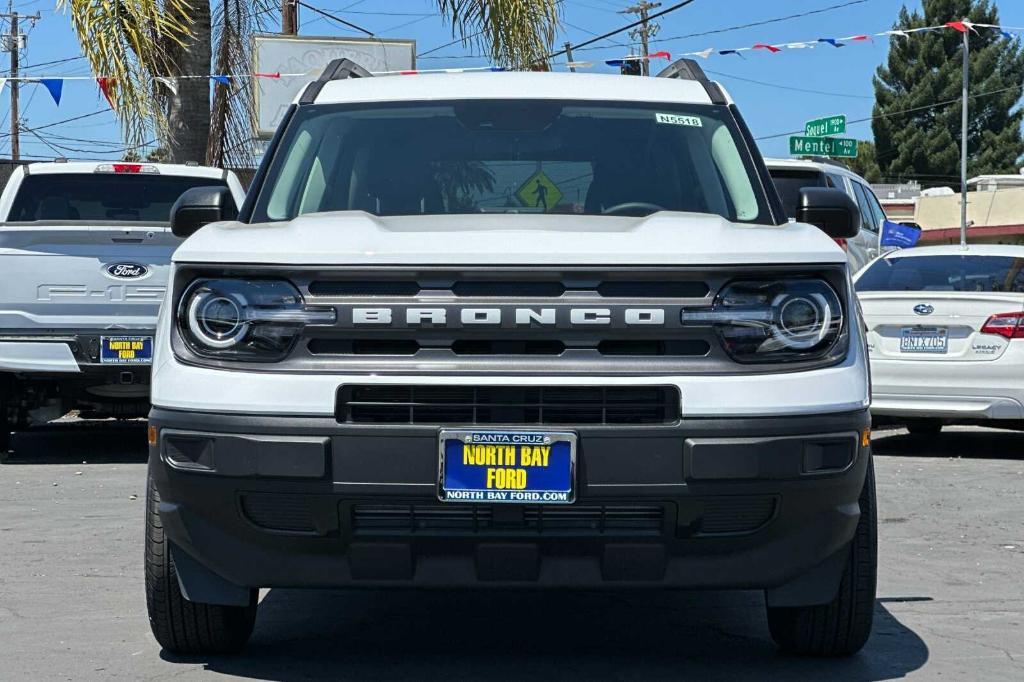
[541, 635]
[951, 442]
[66, 442]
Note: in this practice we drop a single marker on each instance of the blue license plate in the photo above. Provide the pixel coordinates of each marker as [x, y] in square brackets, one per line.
[126, 350]
[515, 467]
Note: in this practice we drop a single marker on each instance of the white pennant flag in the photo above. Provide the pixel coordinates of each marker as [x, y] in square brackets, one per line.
[3, 82]
[170, 83]
[703, 54]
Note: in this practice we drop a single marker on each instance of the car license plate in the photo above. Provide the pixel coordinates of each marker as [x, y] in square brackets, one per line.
[126, 350]
[515, 467]
[921, 340]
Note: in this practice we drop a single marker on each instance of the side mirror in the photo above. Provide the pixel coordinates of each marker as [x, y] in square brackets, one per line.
[831, 210]
[201, 206]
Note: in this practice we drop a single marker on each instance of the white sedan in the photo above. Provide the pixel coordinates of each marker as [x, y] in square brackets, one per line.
[946, 335]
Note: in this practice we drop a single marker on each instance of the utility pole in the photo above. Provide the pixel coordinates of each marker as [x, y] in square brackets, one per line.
[963, 142]
[644, 32]
[568, 56]
[290, 17]
[14, 43]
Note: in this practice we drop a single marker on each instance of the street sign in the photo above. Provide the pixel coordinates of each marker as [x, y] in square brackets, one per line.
[830, 125]
[823, 146]
[539, 192]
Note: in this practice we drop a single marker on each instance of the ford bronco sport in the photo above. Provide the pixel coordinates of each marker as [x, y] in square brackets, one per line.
[511, 330]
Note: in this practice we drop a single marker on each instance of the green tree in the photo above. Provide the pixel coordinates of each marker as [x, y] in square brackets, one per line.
[865, 164]
[131, 42]
[924, 70]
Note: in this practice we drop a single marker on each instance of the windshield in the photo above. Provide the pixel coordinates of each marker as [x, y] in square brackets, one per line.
[944, 273]
[101, 197]
[512, 156]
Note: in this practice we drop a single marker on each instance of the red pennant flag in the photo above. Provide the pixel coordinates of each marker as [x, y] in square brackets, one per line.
[268, 75]
[660, 55]
[770, 48]
[106, 87]
[861, 37]
[958, 26]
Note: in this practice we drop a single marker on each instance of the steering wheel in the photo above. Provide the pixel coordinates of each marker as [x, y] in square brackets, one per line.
[641, 208]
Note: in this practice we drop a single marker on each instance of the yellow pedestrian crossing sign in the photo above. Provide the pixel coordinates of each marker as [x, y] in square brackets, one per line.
[539, 192]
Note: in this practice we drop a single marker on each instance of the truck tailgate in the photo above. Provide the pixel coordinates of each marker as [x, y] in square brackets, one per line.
[66, 277]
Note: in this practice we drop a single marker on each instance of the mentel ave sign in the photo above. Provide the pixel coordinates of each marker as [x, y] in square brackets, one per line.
[823, 146]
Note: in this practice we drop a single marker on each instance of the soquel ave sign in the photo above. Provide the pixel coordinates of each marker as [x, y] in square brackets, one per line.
[830, 125]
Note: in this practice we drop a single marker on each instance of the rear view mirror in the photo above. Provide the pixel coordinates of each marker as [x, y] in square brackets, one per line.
[830, 210]
[201, 206]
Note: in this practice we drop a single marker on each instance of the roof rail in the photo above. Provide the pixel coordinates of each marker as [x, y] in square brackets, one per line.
[830, 161]
[337, 70]
[688, 69]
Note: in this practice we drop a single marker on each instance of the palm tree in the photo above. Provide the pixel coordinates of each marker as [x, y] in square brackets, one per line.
[133, 42]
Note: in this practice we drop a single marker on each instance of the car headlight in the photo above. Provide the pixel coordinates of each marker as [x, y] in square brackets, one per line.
[239, 319]
[776, 320]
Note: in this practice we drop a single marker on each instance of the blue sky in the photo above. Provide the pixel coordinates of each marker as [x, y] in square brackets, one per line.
[801, 84]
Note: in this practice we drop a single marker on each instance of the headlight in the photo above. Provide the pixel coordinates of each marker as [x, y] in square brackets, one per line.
[776, 321]
[245, 319]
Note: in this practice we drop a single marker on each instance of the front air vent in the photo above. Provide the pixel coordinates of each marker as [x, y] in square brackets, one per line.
[545, 521]
[525, 405]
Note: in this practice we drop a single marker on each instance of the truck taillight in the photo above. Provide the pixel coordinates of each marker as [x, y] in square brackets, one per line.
[128, 169]
[841, 243]
[1009, 325]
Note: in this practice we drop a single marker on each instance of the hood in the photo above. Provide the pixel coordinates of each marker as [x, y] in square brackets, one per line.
[358, 238]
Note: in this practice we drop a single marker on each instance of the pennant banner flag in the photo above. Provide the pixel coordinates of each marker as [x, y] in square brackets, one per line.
[169, 83]
[223, 80]
[55, 86]
[106, 85]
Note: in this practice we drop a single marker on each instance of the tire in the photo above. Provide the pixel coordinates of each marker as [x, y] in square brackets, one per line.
[924, 427]
[179, 625]
[841, 627]
[5, 441]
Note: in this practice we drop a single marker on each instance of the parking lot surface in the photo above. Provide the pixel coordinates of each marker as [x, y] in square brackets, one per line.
[950, 595]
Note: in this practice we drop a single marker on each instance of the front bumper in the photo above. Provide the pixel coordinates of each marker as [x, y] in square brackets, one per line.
[261, 501]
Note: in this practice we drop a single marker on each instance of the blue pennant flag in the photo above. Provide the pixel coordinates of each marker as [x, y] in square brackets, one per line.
[615, 62]
[223, 80]
[55, 86]
[831, 41]
[898, 234]
[735, 52]
[1007, 35]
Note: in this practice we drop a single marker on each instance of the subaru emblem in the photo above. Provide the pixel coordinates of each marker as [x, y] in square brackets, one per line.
[127, 270]
[924, 309]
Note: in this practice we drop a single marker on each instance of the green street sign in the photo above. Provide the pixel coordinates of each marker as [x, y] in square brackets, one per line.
[823, 146]
[830, 125]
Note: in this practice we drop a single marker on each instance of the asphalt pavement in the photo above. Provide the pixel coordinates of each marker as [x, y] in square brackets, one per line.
[950, 598]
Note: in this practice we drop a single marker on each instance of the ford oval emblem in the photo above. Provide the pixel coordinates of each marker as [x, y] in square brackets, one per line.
[923, 309]
[127, 270]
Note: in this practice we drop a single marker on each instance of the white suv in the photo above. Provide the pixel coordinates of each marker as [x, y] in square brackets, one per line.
[792, 175]
[511, 330]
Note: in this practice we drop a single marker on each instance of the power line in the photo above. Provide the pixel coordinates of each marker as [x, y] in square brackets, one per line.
[334, 18]
[67, 120]
[639, 22]
[788, 87]
[901, 111]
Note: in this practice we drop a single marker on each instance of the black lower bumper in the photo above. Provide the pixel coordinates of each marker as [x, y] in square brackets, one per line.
[765, 503]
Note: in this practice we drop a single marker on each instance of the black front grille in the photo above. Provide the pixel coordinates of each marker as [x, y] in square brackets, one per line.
[574, 520]
[736, 514]
[526, 405]
[287, 513]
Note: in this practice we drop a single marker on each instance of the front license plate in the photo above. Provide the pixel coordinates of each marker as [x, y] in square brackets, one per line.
[516, 467]
[918, 340]
[126, 350]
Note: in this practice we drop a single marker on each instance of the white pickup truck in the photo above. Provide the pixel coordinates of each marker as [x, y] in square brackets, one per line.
[85, 249]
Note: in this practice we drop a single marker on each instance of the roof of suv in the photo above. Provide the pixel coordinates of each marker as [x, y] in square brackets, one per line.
[823, 166]
[513, 85]
[172, 169]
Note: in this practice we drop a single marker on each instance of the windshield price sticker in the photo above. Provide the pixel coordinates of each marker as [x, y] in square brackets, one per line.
[679, 120]
[507, 467]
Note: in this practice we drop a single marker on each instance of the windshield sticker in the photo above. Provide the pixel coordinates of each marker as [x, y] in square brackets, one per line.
[677, 120]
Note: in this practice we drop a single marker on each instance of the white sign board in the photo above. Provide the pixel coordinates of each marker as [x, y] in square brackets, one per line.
[276, 53]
